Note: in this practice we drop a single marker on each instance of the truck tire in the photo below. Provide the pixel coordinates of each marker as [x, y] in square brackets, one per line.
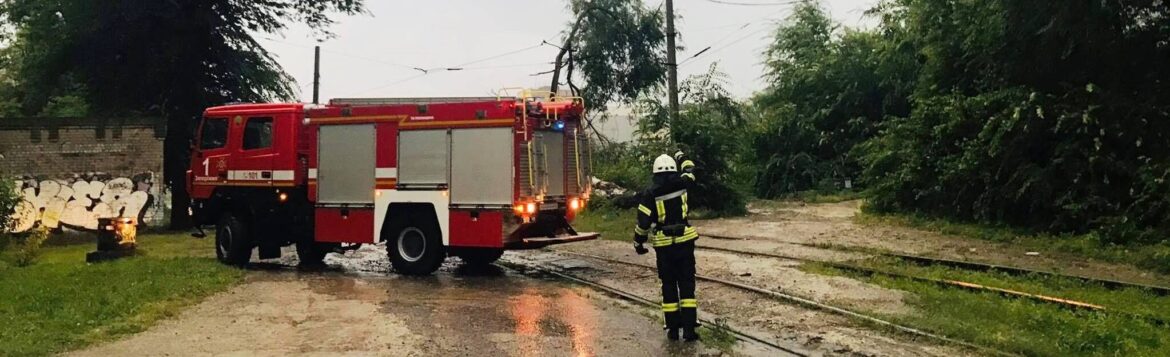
[232, 244]
[415, 249]
[479, 256]
[310, 254]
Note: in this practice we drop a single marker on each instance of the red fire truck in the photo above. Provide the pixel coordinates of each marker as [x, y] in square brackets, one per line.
[430, 177]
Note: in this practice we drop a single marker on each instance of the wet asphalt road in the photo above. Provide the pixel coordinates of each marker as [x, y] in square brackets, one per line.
[358, 307]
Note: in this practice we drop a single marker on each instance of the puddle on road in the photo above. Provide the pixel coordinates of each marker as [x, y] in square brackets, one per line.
[462, 310]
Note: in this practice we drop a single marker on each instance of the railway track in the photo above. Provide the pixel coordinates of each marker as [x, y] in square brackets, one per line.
[809, 303]
[975, 266]
[781, 350]
[1069, 303]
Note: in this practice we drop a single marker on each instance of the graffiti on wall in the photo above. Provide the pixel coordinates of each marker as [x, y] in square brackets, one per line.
[78, 202]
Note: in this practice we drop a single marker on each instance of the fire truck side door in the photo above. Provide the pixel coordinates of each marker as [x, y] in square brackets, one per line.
[210, 161]
[253, 161]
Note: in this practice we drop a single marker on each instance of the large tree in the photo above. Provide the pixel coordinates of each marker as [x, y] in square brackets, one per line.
[619, 47]
[828, 89]
[161, 58]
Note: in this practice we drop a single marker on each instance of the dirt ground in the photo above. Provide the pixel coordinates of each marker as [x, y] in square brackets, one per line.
[819, 332]
[774, 227]
[351, 311]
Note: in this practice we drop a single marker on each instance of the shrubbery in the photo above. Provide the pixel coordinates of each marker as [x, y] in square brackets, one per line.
[707, 130]
[1050, 116]
[8, 200]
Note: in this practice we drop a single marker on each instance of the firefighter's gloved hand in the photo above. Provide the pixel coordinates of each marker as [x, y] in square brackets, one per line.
[638, 248]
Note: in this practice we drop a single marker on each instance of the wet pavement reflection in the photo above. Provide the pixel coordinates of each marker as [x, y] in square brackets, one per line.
[488, 311]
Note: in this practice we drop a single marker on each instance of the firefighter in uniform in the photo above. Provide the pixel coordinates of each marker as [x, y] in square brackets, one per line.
[662, 221]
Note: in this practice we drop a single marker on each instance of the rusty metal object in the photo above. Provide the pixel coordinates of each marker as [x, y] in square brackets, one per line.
[116, 238]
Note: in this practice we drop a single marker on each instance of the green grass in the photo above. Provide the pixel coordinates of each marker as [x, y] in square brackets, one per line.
[1024, 326]
[613, 223]
[718, 335]
[61, 303]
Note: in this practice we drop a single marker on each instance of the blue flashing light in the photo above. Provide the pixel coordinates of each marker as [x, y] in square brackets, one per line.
[559, 125]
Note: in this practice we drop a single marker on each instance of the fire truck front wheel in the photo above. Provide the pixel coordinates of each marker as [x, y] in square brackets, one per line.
[232, 245]
[416, 250]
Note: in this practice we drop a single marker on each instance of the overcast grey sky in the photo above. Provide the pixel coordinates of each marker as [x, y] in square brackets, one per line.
[372, 54]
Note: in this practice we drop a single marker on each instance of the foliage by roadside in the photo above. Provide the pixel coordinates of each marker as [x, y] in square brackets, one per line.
[829, 89]
[28, 247]
[705, 131]
[1046, 116]
[61, 303]
[8, 200]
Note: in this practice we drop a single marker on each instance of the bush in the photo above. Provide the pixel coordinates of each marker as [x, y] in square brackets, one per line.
[8, 200]
[709, 130]
[1158, 258]
[29, 247]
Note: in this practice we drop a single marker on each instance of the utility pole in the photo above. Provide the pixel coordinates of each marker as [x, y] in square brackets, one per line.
[316, 74]
[672, 66]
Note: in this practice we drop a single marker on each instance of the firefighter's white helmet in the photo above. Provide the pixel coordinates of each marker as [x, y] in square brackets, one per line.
[665, 163]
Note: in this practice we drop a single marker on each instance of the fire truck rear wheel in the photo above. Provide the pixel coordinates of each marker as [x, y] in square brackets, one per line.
[479, 256]
[232, 245]
[416, 250]
[311, 254]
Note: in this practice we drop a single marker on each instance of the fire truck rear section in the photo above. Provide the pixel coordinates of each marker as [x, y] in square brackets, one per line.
[430, 177]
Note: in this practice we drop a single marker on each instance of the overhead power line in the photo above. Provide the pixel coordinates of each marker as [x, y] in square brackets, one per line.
[364, 58]
[732, 43]
[712, 46]
[462, 67]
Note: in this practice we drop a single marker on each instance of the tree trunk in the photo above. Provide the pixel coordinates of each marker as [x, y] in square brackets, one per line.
[176, 151]
[561, 55]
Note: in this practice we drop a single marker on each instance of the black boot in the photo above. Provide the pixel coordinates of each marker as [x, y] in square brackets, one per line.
[672, 334]
[690, 334]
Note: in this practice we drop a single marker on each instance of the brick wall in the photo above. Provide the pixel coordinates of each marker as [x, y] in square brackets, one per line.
[71, 171]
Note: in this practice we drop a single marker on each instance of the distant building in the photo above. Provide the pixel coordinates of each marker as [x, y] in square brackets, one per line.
[619, 126]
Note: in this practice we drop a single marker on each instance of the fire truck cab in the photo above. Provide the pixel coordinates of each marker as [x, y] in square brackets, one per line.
[430, 177]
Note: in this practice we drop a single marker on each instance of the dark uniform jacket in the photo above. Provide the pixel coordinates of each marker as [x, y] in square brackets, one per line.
[662, 210]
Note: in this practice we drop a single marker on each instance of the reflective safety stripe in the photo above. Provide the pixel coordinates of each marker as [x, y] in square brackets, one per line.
[671, 307]
[670, 195]
[689, 175]
[662, 240]
[661, 211]
[639, 231]
[688, 235]
[684, 205]
[691, 303]
[644, 209]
